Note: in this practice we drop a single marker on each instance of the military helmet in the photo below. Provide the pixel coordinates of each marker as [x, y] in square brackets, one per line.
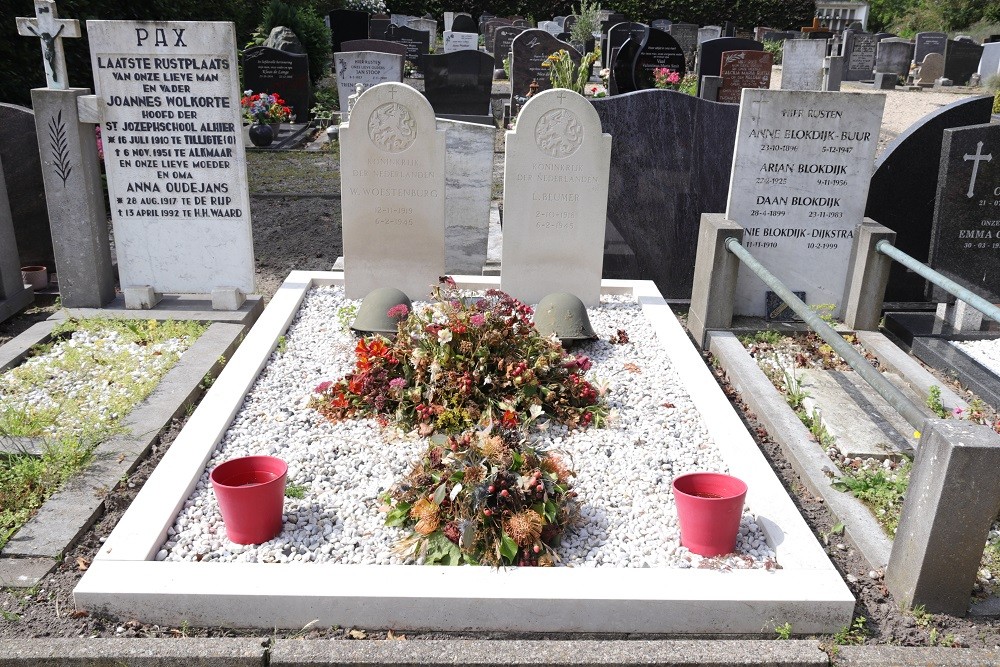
[564, 315]
[373, 315]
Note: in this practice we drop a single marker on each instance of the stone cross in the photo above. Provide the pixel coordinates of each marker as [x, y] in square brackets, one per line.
[50, 29]
[975, 159]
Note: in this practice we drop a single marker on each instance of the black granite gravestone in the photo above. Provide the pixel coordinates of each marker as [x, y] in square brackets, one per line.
[965, 242]
[859, 55]
[274, 71]
[686, 35]
[379, 45]
[25, 188]
[928, 42]
[904, 184]
[377, 27]
[671, 156]
[728, 29]
[346, 24]
[417, 42]
[529, 50]
[483, 18]
[743, 69]
[618, 33]
[502, 39]
[490, 31]
[710, 54]
[961, 60]
[464, 23]
[658, 51]
[570, 22]
[459, 82]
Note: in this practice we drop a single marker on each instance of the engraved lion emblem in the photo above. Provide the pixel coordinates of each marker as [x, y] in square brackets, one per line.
[559, 133]
[391, 127]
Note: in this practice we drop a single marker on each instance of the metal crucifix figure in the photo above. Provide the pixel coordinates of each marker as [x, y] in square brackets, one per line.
[50, 30]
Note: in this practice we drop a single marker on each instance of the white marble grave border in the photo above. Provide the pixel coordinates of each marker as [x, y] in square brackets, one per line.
[125, 580]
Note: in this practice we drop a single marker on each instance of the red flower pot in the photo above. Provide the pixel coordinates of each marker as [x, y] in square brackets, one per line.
[251, 495]
[709, 507]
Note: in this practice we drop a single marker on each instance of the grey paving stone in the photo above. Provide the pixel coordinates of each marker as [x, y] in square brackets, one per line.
[24, 572]
[888, 656]
[17, 348]
[193, 652]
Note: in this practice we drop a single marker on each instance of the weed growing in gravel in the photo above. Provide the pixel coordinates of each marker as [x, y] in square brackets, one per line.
[934, 402]
[855, 633]
[346, 314]
[72, 394]
[297, 491]
[881, 490]
[767, 336]
[784, 631]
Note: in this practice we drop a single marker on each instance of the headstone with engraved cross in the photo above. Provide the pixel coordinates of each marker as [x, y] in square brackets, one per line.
[70, 170]
[555, 199]
[965, 242]
[50, 30]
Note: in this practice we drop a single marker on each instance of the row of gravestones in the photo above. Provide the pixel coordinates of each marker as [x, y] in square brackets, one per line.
[865, 54]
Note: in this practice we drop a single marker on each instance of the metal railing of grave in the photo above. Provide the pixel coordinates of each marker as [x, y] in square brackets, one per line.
[948, 285]
[886, 389]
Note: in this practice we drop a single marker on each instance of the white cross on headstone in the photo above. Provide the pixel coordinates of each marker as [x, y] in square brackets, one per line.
[50, 29]
[976, 159]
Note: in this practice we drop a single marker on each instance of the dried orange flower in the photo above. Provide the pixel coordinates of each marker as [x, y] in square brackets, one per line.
[524, 527]
[426, 514]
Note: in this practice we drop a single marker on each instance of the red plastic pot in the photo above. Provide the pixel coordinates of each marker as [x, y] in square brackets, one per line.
[709, 507]
[251, 495]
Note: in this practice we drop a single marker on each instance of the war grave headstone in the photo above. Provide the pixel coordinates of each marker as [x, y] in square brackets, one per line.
[686, 35]
[528, 51]
[904, 184]
[989, 63]
[961, 60]
[417, 42]
[661, 24]
[168, 96]
[489, 31]
[965, 241]
[894, 56]
[743, 69]
[379, 45]
[799, 183]
[274, 71]
[931, 69]
[657, 51]
[859, 55]
[459, 83]
[347, 24]
[464, 23]
[393, 191]
[368, 68]
[468, 189]
[460, 41]
[13, 294]
[802, 64]
[427, 25]
[928, 42]
[24, 185]
[708, 32]
[710, 54]
[670, 162]
[502, 39]
[377, 26]
[555, 199]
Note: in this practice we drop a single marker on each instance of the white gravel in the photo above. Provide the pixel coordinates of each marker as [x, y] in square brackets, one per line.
[986, 352]
[627, 516]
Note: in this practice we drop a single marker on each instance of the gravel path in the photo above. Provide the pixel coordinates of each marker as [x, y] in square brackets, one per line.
[627, 516]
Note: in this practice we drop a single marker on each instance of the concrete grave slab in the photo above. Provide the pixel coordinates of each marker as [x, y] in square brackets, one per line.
[125, 580]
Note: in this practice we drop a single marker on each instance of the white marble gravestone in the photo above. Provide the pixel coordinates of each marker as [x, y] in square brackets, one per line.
[555, 199]
[802, 63]
[168, 95]
[460, 41]
[13, 294]
[392, 176]
[367, 68]
[799, 184]
[989, 64]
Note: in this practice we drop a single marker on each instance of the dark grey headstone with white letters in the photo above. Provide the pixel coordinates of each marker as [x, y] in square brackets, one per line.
[459, 82]
[529, 50]
[417, 42]
[928, 42]
[961, 60]
[274, 71]
[859, 55]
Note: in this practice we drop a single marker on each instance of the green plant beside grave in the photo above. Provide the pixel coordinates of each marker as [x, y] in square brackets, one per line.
[564, 73]
[587, 23]
[307, 25]
[71, 395]
[775, 49]
[880, 489]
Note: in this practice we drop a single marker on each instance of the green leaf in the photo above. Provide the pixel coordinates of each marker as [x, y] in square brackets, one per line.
[518, 460]
[441, 550]
[551, 511]
[508, 548]
[398, 515]
[439, 494]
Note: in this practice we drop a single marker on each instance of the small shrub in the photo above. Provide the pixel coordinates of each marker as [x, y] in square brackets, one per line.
[776, 49]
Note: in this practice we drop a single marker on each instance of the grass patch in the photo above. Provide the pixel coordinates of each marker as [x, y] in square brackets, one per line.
[881, 490]
[295, 171]
[73, 394]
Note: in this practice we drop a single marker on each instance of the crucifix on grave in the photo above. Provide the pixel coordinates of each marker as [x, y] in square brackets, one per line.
[71, 170]
[50, 30]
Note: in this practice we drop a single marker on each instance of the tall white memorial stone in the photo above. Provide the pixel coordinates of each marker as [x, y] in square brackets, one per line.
[168, 95]
[555, 199]
[392, 192]
[801, 171]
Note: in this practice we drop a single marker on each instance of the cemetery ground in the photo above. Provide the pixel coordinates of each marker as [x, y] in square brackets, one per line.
[296, 220]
